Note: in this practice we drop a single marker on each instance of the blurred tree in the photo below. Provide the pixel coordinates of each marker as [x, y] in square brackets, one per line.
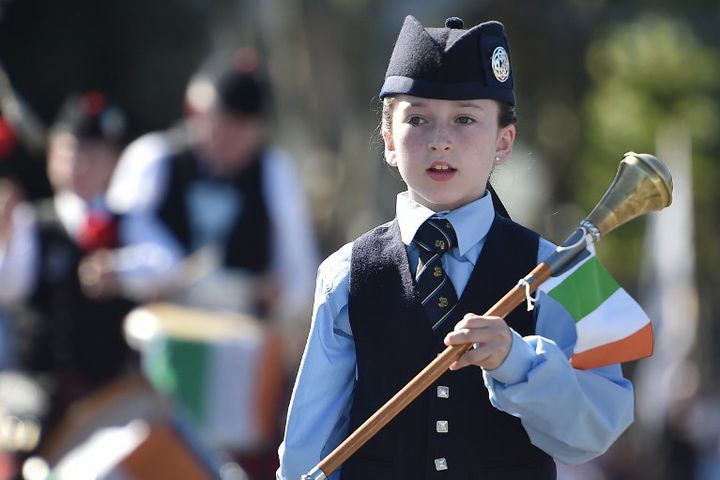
[140, 52]
[647, 73]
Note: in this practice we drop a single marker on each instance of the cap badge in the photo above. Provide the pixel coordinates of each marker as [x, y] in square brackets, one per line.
[500, 64]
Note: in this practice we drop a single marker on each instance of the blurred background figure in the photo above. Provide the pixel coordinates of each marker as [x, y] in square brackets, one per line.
[68, 341]
[10, 196]
[217, 221]
[213, 192]
[22, 176]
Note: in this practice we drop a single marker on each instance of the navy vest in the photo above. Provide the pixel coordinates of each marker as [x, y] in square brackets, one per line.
[61, 330]
[250, 239]
[394, 341]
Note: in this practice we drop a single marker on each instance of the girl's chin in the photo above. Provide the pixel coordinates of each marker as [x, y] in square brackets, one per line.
[439, 201]
[439, 204]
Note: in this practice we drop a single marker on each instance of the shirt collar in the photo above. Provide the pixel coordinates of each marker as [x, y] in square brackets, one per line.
[471, 221]
[73, 209]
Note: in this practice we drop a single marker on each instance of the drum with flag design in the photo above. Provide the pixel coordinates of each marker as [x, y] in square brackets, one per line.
[222, 370]
[123, 430]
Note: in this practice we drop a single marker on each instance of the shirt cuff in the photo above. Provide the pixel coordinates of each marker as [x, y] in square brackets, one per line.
[145, 271]
[517, 363]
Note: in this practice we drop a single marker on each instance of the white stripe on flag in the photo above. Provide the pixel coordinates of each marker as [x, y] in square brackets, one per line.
[616, 318]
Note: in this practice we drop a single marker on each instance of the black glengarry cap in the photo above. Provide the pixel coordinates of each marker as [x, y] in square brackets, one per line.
[451, 63]
[91, 116]
[238, 86]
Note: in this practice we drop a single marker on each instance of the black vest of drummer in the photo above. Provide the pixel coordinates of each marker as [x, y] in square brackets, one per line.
[61, 330]
[249, 240]
[452, 423]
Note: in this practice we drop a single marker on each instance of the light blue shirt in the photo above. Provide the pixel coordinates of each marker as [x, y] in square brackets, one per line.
[573, 415]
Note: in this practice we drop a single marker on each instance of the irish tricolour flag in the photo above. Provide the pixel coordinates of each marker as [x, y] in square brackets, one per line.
[611, 326]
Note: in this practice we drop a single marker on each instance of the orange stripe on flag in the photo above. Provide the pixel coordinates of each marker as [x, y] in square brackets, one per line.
[634, 347]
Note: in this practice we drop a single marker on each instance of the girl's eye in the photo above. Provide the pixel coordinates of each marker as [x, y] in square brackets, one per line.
[465, 120]
[416, 120]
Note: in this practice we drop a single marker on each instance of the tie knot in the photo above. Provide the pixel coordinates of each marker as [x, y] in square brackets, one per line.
[436, 235]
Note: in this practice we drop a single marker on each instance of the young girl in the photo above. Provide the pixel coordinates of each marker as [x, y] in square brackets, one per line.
[389, 302]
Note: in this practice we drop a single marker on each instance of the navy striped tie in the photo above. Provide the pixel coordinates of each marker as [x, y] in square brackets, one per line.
[434, 238]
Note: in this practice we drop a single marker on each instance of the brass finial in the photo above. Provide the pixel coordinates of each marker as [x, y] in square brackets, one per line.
[642, 184]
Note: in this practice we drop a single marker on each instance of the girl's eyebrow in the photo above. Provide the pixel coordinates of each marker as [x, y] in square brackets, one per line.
[421, 104]
[471, 105]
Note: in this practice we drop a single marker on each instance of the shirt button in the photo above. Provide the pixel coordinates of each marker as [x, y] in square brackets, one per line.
[441, 426]
[441, 464]
[443, 392]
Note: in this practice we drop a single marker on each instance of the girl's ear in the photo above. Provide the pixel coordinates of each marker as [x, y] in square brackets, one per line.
[390, 155]
[504, 144]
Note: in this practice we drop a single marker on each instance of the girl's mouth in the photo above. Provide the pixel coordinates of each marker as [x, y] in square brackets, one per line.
[441, 171]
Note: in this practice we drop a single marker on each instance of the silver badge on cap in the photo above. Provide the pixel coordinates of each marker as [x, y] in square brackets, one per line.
[501, 64]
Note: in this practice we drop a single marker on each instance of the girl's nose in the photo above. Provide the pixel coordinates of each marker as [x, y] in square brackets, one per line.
[440, 141]
[440, 145]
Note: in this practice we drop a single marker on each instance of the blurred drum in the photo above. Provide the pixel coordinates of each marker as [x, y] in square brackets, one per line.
[121, 431]
[222, 370]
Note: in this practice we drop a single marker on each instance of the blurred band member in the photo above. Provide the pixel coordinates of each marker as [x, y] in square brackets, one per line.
[219, 216]
[68, 340]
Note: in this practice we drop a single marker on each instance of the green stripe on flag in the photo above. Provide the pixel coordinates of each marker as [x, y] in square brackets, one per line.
[585, 289]
[179, 368]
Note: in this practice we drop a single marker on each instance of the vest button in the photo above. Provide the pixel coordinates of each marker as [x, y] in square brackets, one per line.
[442, 426]
[441, 464]
[443, 391]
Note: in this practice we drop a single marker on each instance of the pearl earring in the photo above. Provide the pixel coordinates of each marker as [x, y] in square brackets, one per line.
[497, 159]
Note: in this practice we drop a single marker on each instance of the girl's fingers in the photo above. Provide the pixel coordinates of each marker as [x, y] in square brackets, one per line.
[471, 320]
[477, 332]
[484, 356]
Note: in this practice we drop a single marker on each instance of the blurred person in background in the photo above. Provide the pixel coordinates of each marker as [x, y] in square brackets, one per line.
[68, 341]
[10, 196]
[11, 193]
[22, 177]
[211, 193]
[218, 221]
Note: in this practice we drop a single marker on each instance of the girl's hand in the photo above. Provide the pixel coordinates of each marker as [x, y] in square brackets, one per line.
[491, 337]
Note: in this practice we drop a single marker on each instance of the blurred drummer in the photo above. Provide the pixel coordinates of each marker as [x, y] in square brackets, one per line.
[69, 341]
[219, 218]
